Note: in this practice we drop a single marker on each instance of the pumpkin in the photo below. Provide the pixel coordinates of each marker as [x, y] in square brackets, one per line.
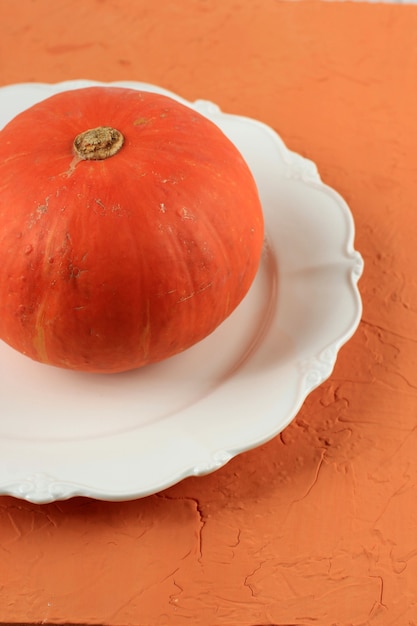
[130, 228]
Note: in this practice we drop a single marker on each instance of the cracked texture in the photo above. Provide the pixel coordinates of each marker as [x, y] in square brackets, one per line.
[318, 526]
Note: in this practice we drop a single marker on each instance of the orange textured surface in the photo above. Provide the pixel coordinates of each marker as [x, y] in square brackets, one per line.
[318, 526]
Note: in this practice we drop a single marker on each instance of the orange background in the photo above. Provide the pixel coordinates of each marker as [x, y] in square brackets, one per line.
[318, 526]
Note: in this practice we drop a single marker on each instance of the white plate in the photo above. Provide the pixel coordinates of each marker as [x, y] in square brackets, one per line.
[129, 435]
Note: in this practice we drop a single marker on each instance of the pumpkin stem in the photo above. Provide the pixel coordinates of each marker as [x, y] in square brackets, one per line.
[98, 143]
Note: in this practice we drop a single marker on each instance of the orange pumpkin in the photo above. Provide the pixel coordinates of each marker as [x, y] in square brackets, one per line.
[128, 243]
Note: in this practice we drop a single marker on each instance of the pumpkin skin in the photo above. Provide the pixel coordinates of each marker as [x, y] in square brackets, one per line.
[109, 265]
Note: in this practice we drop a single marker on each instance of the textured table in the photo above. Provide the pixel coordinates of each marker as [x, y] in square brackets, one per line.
[318, 526]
